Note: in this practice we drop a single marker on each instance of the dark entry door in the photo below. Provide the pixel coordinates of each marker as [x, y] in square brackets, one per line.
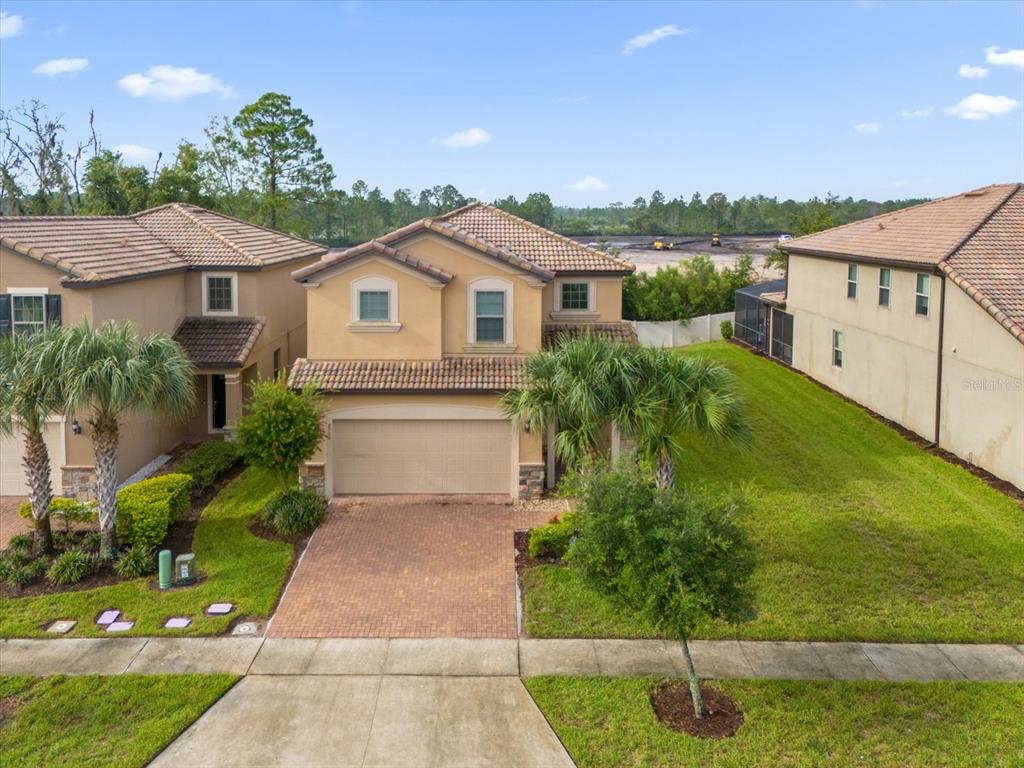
[218, 406]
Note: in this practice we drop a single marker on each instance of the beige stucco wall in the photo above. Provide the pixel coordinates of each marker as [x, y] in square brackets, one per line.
[17, 271]
[609, 300]
[982, 390]
[889, 355]
[419, 313]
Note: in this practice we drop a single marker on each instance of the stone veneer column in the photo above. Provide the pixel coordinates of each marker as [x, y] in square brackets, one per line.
[312, 477]
[531, 480]
[79, 482]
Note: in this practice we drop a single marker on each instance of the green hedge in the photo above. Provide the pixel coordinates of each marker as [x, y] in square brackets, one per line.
[69, 510]
[145, 510]
[208, 463]
[553, 540]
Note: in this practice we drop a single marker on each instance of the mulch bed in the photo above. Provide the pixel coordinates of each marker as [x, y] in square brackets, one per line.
[521, 540]
[674, 707]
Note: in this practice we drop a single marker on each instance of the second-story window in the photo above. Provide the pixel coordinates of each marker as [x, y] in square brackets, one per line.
[851, 281]
[921, 297]
[490, 316]
[575, 296]
[374, 306]
[884, 282]
[28, 313]
[219, 294]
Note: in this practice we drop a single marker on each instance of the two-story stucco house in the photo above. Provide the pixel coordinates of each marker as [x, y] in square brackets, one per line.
[916, 314]
[222, 287]
[413, 337]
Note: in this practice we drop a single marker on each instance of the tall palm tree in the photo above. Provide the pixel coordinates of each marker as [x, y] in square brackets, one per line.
[29, 395]
[679, 395]
[110, 372]
[657, 396]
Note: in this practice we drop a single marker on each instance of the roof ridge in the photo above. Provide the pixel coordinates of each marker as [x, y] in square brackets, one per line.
[506, 252]
[42, 257]
[1015, 188]
[893, 213]
[982, 300]
[214, 233]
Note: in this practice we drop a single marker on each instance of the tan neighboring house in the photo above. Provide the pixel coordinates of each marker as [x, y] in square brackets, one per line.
[222, 287]
[919, 316]
[413, 337]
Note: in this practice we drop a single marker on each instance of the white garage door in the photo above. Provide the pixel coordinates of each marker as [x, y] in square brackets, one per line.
[12, 473]
[421, 456]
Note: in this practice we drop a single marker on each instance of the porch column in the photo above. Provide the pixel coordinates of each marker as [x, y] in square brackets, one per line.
[232, 401]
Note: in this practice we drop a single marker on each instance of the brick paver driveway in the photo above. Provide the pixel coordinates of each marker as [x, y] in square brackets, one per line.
[407, 566]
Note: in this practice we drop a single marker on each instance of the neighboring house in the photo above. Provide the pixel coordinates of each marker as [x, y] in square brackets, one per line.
[412, 338]
[918, 315]
[222, 287]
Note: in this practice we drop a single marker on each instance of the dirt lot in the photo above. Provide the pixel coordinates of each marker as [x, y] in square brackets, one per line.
[639, 250]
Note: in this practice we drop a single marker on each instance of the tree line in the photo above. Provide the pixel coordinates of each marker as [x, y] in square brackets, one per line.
[265, 165]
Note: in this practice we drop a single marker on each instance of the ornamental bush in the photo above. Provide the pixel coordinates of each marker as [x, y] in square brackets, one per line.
[71, 567]
[70, 511]
[209, 462]
[553, 540]
[295, 511]
[281, 428]
[146, 510]
[726, 329]
[134, 562]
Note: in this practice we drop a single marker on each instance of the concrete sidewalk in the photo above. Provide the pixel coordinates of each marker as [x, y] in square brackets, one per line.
[453, 657]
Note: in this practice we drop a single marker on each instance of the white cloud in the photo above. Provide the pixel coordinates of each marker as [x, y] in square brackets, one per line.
[867, 129]
[136, 153]
[10, 24]
[1014, 57]
[911, 114]
[61, 66]
[588, 184]
[979, 106]
[472, 137]
[166, 83]
[971, 72]
[634, 44]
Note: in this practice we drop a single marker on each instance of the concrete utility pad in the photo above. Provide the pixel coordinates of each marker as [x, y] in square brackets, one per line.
[363, 721]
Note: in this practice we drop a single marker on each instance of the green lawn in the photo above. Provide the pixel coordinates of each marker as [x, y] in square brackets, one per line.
[108, 722]
[609, 723]
[860, 534]
[237, 567]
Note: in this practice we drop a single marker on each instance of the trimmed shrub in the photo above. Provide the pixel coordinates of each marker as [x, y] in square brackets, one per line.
[553, 540]
[70, 511]
[134, 562]
[726, 329]
[208, 463]
[71, 567]
[295, 511]
[145, 510]
[17, 570]
[21, 542]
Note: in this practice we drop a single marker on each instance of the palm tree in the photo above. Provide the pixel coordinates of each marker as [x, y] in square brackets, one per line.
[109, 372]
[29, 395]
[679, 395]
[657, 396]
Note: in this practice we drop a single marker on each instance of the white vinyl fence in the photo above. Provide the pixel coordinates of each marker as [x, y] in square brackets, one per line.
[672, 333]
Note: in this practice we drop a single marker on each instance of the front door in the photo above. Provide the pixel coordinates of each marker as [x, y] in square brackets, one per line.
[218, 405]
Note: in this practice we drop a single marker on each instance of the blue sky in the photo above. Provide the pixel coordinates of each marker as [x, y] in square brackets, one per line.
[788, 99]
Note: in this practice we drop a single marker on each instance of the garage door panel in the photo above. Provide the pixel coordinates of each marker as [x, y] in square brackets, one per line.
[421, 456]
[12, 472]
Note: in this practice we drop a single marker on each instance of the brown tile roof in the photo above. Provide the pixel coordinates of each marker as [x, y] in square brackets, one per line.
[336, 257]
[449, 374]
[975, 238]
[540, 246]
[98, 249]
[989, 265]
[621, 332]
[218, 342]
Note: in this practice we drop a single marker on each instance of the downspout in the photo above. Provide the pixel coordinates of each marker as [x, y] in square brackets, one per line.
[938, 360]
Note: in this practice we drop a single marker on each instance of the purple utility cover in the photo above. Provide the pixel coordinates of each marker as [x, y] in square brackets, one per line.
[219, 609]
[108, 617]
[120, 626]
[177, 623]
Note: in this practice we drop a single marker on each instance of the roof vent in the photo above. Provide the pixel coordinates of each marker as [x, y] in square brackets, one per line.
[124, 242]
[975, 193]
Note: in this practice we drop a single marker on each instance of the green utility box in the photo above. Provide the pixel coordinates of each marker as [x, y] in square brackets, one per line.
[185, 569]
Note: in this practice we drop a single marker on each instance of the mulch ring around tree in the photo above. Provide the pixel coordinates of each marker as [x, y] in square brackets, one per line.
[674, 707]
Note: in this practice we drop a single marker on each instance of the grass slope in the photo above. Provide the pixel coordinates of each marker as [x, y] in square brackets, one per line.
[861, 535]
[236, 567]
[609, 723]
[114, 722]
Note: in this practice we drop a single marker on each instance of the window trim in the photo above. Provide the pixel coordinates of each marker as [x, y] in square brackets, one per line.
[886, 288]
[27, 293]
[851, 281]
[206, 294]
[591, 308]
[927, 295]
[837, 347]
[373, 284]
[489, 284]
